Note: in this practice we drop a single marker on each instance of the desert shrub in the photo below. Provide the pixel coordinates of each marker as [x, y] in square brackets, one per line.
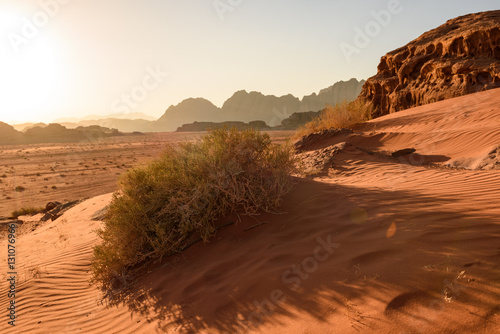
[27, 211]
[180, 196]
[342, 116]
[19, 189]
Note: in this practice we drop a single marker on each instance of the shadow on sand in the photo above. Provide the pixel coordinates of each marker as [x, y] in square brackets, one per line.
[396, 249]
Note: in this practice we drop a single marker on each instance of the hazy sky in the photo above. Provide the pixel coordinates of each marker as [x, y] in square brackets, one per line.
[71, 58]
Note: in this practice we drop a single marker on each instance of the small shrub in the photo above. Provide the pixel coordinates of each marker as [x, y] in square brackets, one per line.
[342, 116]
[19, 189]
[163, 204]
[54, 187]
[28, 211]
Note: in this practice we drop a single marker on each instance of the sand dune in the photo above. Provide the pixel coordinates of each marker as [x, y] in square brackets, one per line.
[374, 245]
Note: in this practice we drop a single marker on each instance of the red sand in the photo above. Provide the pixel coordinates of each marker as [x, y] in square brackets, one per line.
[376, 246]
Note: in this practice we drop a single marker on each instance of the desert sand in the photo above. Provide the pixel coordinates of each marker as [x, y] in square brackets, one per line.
[375, 244]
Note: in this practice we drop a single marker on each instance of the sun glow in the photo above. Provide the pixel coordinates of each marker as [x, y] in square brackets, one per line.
[29, 78]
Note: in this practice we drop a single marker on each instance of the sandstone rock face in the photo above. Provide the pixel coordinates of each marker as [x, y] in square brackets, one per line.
[460, 57]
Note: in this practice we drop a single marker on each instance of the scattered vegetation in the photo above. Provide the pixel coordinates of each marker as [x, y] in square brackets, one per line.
[163, 205]
[342, 116]
[27, 211]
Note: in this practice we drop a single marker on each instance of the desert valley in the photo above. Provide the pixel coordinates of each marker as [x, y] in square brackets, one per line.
[392, 225]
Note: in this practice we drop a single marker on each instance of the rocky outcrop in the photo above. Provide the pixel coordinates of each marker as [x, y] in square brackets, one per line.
[298, 119]
[304, 143]
[491, 160]
[204, 126]
[460, 57]
[316, 162]
[488, 160]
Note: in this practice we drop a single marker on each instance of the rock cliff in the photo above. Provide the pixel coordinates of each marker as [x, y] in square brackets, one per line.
[460, 57]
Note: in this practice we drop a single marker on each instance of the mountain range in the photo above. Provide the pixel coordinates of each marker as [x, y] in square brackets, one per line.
[252, 106]
[243, 106]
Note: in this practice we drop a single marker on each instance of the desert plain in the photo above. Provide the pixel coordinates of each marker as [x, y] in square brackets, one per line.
[35, 174]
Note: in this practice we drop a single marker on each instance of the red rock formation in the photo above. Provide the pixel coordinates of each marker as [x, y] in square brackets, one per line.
[460, 57]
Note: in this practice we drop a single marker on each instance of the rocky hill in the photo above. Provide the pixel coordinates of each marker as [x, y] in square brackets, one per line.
[54, 133]
[189, 110]
[9, 135]
[460, 57]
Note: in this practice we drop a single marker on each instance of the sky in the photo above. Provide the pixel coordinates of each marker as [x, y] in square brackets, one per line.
[72, 58]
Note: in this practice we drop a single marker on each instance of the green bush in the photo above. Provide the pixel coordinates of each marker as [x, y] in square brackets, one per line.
[342, 116]
[161, 206]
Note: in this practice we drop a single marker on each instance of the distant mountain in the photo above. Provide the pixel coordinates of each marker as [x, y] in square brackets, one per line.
[134, 115]
[247, 107]
[53, 133]
[188, 111]
[23, 127]
[243, 106]
[338, 93]
[9, 135]
[123, 125]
